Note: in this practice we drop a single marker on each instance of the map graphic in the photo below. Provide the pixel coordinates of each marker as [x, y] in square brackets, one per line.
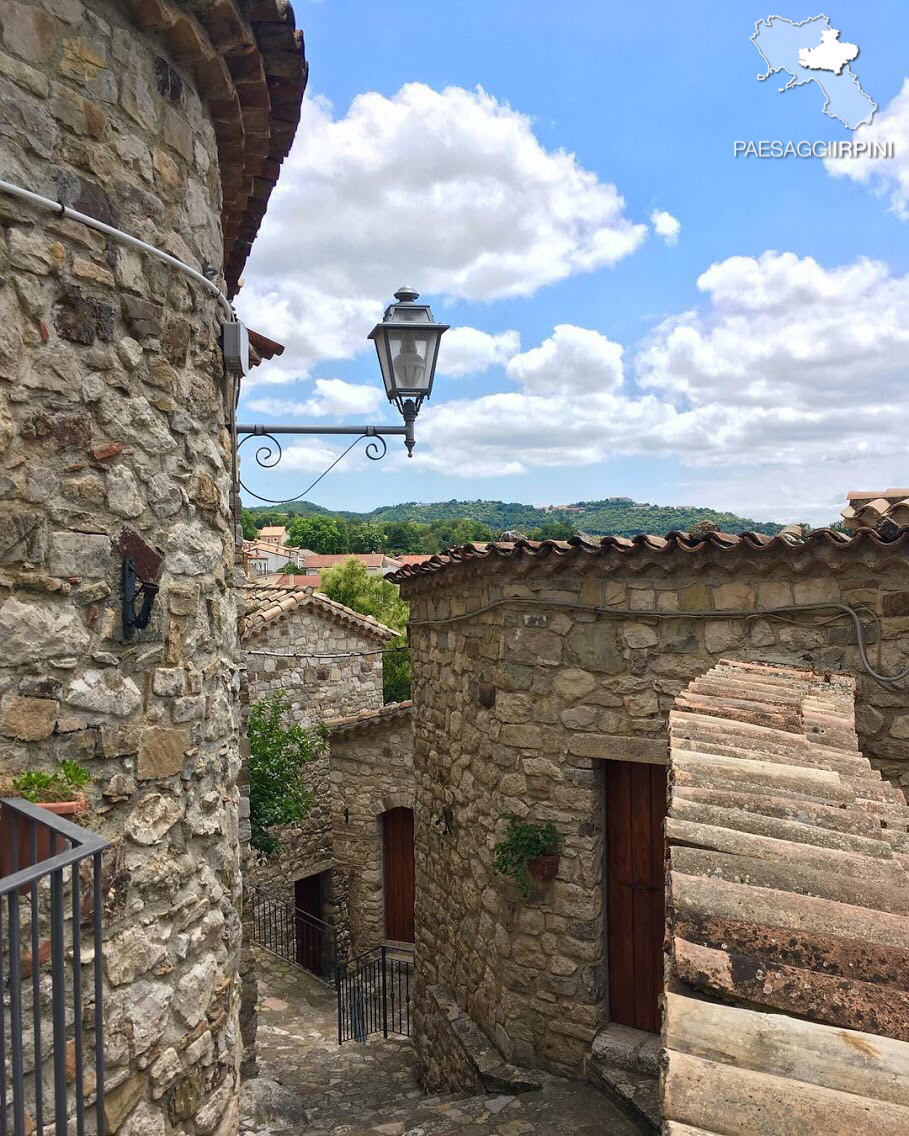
[812, 52]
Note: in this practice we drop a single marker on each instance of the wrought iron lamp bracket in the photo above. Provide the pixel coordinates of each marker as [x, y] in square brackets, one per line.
[269, 454]
[134, 589]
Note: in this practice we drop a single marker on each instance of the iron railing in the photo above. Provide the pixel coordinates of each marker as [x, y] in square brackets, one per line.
[374, 995]
[295, 935]
[44, 1004]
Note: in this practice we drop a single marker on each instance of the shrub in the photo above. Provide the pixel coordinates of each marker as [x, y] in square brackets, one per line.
[278, 753]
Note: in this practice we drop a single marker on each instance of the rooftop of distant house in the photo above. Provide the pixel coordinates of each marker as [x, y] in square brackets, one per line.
[268, 601]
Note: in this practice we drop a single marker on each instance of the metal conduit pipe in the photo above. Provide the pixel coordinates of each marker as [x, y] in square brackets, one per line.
[62, 210]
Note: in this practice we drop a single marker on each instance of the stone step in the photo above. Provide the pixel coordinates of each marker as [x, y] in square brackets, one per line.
[625, 1064]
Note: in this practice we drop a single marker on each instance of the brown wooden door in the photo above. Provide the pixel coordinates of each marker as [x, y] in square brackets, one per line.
[635, 809]
[399, 875]
[308, 902]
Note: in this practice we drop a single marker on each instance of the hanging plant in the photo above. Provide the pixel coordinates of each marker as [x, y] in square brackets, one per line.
[528, 852]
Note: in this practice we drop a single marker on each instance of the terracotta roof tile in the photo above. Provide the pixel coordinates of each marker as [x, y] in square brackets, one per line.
[370, 717]
[788, 922]
[643, 548]
[267, 601]
[867, 510]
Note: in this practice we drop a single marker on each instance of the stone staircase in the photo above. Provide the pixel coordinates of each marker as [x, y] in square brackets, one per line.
[625, 1064]
[310, 1085]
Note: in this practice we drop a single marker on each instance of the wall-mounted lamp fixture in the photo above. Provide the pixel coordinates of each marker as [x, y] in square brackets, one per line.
[444, 821]
[407, 345]
[134, 589]
[141, 569]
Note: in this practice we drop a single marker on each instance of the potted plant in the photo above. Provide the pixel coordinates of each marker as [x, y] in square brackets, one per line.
[60, 793]
[528, 852]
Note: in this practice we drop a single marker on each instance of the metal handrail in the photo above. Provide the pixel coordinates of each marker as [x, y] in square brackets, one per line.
[276, 923]
[47, 915]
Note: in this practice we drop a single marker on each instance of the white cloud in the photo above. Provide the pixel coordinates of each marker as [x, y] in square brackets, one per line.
[469, 351]
[572, 359]
[331, 397]
[885, 176]
[666, 226]
[448, 190]
[786, 365]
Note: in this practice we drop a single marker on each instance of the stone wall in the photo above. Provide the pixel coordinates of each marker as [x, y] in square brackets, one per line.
[371, 772]
[318, 689]
[516, 708]
[113, 417]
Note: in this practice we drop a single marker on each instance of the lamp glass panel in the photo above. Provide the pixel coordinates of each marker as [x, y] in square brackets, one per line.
[410, 353]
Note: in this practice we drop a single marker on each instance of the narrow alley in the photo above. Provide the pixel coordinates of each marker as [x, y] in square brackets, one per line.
[309, 1084]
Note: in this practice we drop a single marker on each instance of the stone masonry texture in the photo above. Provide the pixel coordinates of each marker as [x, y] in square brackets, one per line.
[318, 690]
[371, 772]
[516, 708]
[113, 421]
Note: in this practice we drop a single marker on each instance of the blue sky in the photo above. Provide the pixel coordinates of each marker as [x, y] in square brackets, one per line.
[512, 161]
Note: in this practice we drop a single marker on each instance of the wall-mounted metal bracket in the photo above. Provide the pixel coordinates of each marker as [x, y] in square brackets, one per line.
[134, 589]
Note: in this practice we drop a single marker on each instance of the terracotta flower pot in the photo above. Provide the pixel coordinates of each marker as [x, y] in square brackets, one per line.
[23, 837]
[543, 869]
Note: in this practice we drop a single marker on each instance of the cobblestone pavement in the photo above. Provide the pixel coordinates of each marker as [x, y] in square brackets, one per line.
[309, 1084]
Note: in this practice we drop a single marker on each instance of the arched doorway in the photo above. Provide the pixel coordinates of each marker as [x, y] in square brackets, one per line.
[397, 827]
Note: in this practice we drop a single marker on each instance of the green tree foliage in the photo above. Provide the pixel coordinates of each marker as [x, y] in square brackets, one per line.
[553, 530]
[278, 752]
[248, 522]
[413, 528]
[327, 535]
[363, 536]
[449, 534]
[351, 585]
[404, 536]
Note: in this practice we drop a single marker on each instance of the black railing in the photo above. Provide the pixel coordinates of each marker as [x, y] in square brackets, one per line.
[295, 935]
[46, 1087]
[374, 995]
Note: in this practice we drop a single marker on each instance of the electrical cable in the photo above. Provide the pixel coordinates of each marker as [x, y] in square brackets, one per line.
[48, 203]
[344, 655]
[777, 613]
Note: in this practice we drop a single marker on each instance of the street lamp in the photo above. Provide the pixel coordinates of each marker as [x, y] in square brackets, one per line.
[407, 344]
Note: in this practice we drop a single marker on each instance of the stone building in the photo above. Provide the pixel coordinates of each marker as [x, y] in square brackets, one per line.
[327, 659]
[372, 800]
[543, 679]
[168, 119]
[788, 913]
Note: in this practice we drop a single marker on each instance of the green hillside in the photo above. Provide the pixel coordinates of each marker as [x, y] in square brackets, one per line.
[612, 516]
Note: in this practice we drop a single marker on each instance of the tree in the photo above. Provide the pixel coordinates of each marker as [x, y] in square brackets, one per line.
[363, 536]
[553, 530]
[450, 534]
[248, 523]
[278, 753]
[404, 536]
[326, 535]
[351, 585]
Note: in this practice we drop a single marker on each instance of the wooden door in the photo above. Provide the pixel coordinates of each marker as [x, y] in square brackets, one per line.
[308, 935]
[399, 875]
[635, 809]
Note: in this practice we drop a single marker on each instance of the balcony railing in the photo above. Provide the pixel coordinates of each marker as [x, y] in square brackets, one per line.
[50, 889]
